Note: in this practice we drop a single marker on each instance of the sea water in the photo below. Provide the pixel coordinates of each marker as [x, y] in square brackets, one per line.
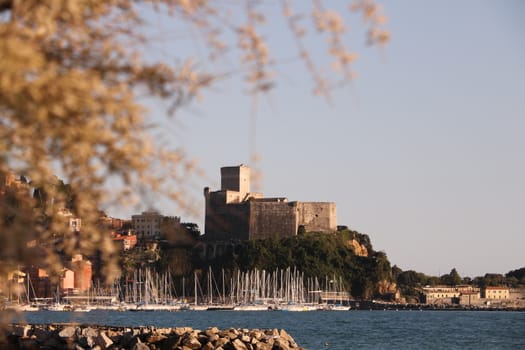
[339, 330]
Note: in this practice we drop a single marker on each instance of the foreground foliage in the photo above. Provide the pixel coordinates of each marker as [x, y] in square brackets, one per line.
[73, 78]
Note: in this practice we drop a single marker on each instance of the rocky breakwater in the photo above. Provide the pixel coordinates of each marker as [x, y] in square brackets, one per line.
[78, 337]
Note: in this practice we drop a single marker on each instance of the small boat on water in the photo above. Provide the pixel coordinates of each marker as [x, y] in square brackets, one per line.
[298, 307]
[338, 308]
[23, 307]
[220, 307]
[198, 307]
[58, 307]
[251, 307]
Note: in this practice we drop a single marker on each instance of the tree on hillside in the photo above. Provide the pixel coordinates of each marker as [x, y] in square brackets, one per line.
[519, 274]
[72, 82]
[451, 279]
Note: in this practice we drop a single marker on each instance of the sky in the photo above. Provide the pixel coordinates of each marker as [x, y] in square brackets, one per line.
[424, 151]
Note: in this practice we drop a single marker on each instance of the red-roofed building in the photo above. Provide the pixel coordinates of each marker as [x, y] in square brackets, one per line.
[126, 241]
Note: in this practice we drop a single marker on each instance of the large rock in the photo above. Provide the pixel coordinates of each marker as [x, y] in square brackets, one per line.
[263, 346]
[359, 249]
[68, 332]
[281, 344]
[21, 330]
[41, 333]
[211, 331]
[103, 340]
[139, 345]
[192, 342]
[239, 345]
[208, 346]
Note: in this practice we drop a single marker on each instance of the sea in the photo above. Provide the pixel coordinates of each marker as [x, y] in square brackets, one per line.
[341, 330]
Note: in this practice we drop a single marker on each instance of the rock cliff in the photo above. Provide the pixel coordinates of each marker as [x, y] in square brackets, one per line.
[359, 249]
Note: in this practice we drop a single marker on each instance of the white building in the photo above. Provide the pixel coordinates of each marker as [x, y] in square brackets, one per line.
[74, 223]
[148, 225]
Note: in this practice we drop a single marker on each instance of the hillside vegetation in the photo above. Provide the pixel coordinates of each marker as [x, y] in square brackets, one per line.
[346, 254]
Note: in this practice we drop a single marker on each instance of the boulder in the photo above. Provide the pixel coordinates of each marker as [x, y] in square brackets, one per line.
[239, 345]
[182, 330]
[281, 344]
[41, 334]
[139, 345]
[263, 346]
[89, 332]
[221, 342]
[211, 331]
[103, 340]
[192, 342]
[68, 332]
[208, 346]
[257, 334]
[21, 330]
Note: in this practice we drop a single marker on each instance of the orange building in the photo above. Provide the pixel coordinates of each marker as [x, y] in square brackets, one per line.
[67, 282]
[83, 273]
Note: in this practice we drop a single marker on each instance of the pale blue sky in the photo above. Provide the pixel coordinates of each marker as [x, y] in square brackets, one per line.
[424, 152]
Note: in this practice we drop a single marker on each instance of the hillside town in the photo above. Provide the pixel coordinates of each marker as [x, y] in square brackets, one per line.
[232, 214]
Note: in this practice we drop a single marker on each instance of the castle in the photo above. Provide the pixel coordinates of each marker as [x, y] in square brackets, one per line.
[235, 213]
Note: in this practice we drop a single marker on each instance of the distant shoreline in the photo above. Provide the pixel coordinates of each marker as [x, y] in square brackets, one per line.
[374, 305]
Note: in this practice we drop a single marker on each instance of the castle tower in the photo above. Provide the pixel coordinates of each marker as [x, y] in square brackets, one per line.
[236, 178]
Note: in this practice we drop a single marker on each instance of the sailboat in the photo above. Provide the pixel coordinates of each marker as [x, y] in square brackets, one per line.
[196, 306]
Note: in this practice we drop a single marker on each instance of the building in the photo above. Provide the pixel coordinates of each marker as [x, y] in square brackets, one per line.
[9, 182]
[446, 295]
[235, 213]
[126, 241]
[37, 283]
[111, 223]
[83, 273]
[150, 224]
[67, 282]
[73, 223]
[498, 293]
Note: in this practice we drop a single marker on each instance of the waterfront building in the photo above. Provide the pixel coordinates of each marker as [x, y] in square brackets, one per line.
[447, 295]
[496, 292]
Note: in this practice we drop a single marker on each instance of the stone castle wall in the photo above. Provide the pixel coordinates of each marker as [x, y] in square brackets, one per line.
[272, 219]
[317, 216]
[225, 221]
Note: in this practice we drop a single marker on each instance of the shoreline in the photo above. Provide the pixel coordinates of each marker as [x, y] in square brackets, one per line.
[375, 305]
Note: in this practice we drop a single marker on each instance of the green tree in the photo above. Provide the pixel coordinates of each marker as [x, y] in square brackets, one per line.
[519, 274]
[452, 279]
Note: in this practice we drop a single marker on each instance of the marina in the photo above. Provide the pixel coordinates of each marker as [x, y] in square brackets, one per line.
[254, 290]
